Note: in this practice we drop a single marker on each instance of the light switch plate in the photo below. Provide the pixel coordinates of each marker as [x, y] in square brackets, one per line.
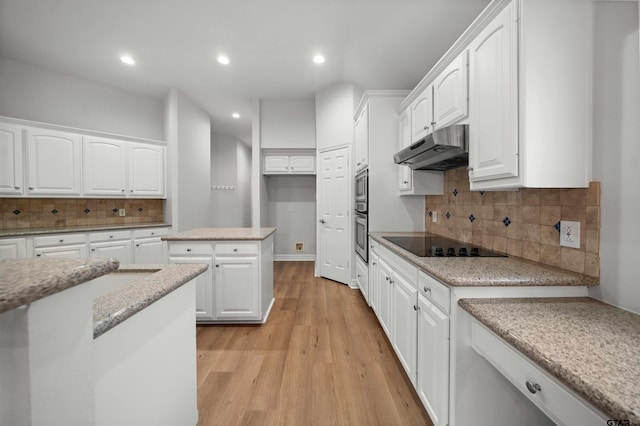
[569, 234]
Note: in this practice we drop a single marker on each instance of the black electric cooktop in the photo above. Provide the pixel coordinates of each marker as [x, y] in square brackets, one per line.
[440, 247]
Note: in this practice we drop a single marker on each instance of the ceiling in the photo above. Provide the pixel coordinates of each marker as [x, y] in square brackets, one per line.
[375, 44]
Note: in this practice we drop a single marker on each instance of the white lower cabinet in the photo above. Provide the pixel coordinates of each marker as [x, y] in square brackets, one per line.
[148, 246]
[116, 244]
[374, 282]
[404, 325]
[385, 275]
[432, 382]
[13, 248]
[238, 286]
[362, 278]
[61, 246]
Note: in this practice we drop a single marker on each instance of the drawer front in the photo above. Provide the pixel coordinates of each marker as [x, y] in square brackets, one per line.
[436, 292]
[190, 249]
[560, 403]
[400, 266]
[151, 232]
[234, 249]
[60, 239]
[374, 246]
[109, 236]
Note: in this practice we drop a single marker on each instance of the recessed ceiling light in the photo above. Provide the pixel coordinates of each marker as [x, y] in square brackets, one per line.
[318, 59]
[127, 60]
[224, 60]
[235, 115]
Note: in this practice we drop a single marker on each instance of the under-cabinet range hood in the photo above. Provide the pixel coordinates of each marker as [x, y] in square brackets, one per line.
[444, 149]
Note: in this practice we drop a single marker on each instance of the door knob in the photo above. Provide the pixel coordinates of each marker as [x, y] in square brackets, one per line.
[323, 221]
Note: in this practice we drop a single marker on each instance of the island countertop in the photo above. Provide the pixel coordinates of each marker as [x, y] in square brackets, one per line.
[485, 271]
[222, 234]
[23, 281]
[592, 347]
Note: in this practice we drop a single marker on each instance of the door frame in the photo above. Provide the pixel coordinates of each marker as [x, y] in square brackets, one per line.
[350, 149]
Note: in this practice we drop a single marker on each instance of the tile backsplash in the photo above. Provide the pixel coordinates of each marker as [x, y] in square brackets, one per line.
[522, 223]
[35, 213]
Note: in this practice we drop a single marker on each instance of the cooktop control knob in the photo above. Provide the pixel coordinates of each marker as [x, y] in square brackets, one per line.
[438, 252]
[462, 251]
[474, 251]
[451, 251]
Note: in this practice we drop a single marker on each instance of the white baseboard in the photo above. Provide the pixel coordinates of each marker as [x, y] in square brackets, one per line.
[294, 257]
[354, 284]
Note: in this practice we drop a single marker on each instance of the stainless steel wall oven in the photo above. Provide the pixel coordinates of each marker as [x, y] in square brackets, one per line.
[361, 215]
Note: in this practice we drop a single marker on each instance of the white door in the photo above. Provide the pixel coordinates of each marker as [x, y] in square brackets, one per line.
[404, 324]
[302, 164]
[405, 175]
[362, 139]
[13, 248]
[10, 159]
[146, 171]
[150, 251]
[386, 296]
[204, 285]
[374, 284]
[237, 288]
[104, 167]
[120, 250]
[334, 204]
[450, 93]
[276, 164]
[422, 115]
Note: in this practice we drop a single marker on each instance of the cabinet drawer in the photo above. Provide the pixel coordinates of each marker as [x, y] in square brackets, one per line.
[556, 400]
[109, 236]
[236, 248]
[400, 266]
[151, 232]
[374, 246]
[60, 239]
[436, 292]
[189, 249]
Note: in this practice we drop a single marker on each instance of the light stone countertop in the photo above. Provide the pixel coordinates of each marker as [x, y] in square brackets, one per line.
[23, 281]
[221, 234]
[116, 306]
[485, 271]
[82, 228]
[592, 347]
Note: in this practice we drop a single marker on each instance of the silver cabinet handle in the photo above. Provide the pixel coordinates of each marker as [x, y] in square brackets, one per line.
[415, 308]
[323, 221]
[137, 245]
[31, 187]
[405, 182]
[16, 187]
[93, 249]
[386, 278]
[533, 387]
[110, 236]
[188, 249]
[426, 127]
[39, 254]
[131, 190]
[374, 263]
[217, 265]
[122, 190]
[235, 249]
[153, 233]
[62, 241]
[427, 289]
[433, 123]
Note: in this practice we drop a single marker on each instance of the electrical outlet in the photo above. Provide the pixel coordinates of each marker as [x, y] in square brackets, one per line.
[122, 212]
[434, 216]
[299, 246]
[570, 234]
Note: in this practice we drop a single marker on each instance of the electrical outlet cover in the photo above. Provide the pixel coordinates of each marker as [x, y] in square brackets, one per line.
[570, 234]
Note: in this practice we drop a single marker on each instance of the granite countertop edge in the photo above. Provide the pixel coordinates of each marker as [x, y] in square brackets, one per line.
[222, 234]
[24, 232]
[487, 272]
[599, 399]
[25, 281]
[115, 307]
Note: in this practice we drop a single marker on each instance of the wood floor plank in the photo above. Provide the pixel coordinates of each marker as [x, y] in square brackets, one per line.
[321, 359]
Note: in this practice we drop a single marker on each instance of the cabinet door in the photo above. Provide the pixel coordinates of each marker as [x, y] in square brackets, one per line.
[303, 164]
[450, 93]
[433, 361]
[120, 250]
[405, 175]
[386, 296]
[204, 286]
[422, 115]
[54, 162]
[72, 251]
[362, 138]
[237, 288]
[104, 167]
[149, 251]
[374, 283]
[404, 323]
[11, 178]
[276, 164]
[493, 107]
[146, 170]
[13, 248]
[361, 278]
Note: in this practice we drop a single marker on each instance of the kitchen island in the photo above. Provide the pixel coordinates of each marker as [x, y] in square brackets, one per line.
[84, 342]
[238, 286]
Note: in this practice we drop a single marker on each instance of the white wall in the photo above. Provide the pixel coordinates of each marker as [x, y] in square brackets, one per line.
[292, 209]
[617, 150]
[288, 124]
[230, 166]
[335, 107]
[189, 153]
[39, 94]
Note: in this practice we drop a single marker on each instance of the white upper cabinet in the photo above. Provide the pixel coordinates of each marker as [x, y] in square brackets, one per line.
[54, 162]
[405, 176]
[450, 93]
[146, 170]
[290, 162]
[276, 164]
[530, 117]
[11, 171]
[105, 164]
[422, 115]
[362, 139]
[493, 133]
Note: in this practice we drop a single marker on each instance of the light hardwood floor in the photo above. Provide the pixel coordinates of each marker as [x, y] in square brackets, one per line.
[321, 359]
